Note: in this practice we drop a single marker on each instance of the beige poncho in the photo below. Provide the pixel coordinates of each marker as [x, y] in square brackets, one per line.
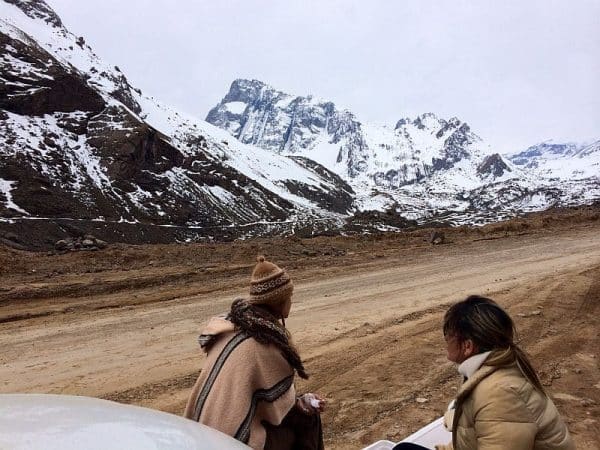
[242, 384]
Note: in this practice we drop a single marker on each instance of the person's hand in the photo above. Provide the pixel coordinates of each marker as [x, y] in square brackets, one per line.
[311, 404]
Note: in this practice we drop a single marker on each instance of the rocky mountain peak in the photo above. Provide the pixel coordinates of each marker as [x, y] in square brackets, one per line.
[432, 123]
[256, 113]
[37, 9]
[428, 120]
[77, 141]
[403, 121]
[493, 165]
[242, 90]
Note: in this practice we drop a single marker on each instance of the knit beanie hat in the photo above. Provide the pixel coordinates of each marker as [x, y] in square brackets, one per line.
[269, 284]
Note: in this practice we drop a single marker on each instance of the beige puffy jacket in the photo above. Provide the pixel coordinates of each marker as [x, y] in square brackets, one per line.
[501, 409]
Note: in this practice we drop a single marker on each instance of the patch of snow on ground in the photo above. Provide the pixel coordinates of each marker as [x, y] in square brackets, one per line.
[6, 188]
[23, 69]
[90, 163]
[222, 195]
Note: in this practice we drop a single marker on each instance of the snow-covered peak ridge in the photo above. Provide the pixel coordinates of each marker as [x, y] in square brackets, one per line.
[247, 96]
[361, 153]
[426, 120]
[249, 91]
[547, 149]
[564, 161]
[73, 129]
[550, 150]
[255, 113]
[37, 9]
[33, 20]
[589, 149]
[434, 124]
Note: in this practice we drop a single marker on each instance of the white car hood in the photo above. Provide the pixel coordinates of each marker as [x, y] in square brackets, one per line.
[64, 422]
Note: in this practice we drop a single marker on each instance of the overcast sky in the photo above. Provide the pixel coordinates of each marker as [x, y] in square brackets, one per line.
[519, 72]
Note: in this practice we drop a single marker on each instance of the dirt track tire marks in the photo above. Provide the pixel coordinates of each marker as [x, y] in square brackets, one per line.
[384, 380]
[368, 370]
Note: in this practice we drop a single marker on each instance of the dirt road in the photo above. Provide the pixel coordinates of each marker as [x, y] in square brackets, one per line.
[368, 327]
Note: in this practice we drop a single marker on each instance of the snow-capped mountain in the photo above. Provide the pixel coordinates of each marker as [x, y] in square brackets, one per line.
[566, 161]
[423, 168]
[412, 150]
[80, 145]
[78, 141]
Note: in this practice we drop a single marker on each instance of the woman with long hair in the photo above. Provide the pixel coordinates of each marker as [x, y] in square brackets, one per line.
[501, 403]
[246, 387]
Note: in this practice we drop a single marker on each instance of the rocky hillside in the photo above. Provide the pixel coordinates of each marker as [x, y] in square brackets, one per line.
[83, 152]
[79, 143]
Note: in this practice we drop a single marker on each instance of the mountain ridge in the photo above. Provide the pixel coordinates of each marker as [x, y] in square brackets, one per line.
[419, 166]
[74, 130]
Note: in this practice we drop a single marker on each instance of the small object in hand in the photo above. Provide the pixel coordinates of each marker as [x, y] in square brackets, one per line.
[315, 403]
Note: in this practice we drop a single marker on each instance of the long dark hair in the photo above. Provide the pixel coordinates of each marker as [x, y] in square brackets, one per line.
[490, 328]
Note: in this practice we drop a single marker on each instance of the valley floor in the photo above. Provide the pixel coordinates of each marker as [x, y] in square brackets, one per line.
[122, 323]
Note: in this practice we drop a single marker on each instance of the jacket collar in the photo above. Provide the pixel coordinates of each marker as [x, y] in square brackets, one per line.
[474, 380]
[470, 365]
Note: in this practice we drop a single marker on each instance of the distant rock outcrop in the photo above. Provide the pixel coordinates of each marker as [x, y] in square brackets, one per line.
[437, 238]
[257, 114]
[493, 165]
[37, 9]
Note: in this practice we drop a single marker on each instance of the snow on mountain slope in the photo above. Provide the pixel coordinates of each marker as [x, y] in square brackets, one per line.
[270, 170]
[423, 168]
[35, 20]
[73, 129]
[359, 152]
[79, 142]
[565, 161]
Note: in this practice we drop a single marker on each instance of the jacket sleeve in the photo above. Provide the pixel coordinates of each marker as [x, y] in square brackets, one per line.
[502, 420]
[448, 419]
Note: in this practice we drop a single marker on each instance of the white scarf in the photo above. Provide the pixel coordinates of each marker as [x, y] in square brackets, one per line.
[467, 368]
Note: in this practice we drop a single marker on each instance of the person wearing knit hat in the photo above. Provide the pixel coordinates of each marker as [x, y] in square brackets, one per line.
[245, 388]
[269, 285]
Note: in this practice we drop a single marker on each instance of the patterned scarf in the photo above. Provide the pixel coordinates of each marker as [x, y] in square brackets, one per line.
[263, 326]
